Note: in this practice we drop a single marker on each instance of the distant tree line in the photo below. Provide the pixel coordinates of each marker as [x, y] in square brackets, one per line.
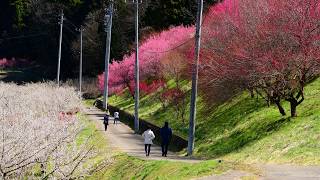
[37, 21]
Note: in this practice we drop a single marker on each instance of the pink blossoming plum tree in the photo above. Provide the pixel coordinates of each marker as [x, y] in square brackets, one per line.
[268, 46]
[152, 50]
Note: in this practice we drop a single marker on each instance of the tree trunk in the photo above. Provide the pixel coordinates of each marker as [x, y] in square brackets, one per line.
[281, 110]
[251, 93]
[296, 101]
[293, 105]
[131, 91]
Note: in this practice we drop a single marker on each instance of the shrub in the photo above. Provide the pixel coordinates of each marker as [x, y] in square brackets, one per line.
[89, 87]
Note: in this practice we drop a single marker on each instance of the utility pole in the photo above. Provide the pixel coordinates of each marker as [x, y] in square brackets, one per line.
[108, 28]
[80, 70]
[136, 97]
[60, 43]
[136, 72]
[195, 70]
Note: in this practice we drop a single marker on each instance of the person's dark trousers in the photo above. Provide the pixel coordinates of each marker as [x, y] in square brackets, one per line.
[105, 127]
[115, 120]
[147, 149]
[164, 147]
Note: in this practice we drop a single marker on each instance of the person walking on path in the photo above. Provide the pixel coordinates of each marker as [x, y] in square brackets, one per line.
[148, 136]
[106, 121]
[166, 135]
[116, 117]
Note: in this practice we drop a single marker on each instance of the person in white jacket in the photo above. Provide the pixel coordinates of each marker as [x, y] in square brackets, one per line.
[148, 136]
[116, 117]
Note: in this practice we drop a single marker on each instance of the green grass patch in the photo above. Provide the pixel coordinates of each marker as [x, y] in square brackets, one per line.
[126, 167]
[88, 102]
[244, 129]
[98, 139]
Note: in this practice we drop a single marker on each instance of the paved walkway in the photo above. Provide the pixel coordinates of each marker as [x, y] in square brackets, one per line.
[122, 138]
[290, 172]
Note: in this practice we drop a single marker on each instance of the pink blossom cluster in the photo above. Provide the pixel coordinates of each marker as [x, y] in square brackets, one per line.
[152, 50]
[7, 63]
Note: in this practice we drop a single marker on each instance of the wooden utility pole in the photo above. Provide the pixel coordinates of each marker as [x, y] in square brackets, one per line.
[136, 72]
[195, 70]
[108, 29]
[80, 70]
[60, 43]
[137, 94]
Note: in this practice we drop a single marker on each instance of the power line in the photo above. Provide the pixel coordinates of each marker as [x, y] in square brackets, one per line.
[71, 31]
[67, 20]
[171, 49]
[180, 45]
[29, 32]
[24, 36]
[76, 35]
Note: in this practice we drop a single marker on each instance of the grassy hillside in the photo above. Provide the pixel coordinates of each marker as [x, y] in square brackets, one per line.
[245, 129]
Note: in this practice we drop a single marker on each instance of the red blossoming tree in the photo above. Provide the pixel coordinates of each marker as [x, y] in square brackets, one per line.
[177, 98]
[152, 50]
[269, 46]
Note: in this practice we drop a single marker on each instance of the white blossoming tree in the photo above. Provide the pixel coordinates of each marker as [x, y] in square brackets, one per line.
[34, 141]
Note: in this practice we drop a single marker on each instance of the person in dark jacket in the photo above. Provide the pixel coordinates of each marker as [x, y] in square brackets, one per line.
[106, 121]
[166, 134]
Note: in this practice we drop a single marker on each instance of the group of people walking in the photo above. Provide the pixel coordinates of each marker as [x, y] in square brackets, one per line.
[148, 135]
[106, 119]
[166, 135]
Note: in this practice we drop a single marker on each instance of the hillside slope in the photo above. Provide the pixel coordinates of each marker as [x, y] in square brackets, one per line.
[244, 128]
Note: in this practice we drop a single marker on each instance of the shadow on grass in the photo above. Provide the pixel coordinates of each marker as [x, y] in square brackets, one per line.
[240, 138]
[228, 115]
[229, 129]
[124, 103]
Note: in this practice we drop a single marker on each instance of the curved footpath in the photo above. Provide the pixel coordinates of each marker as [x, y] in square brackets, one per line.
[122, 138]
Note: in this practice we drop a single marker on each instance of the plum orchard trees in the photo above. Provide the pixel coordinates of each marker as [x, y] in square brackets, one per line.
[34, 142]
[152, 52]
[174, 66]
[157, 64]
[178, 99]
[269, 46]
